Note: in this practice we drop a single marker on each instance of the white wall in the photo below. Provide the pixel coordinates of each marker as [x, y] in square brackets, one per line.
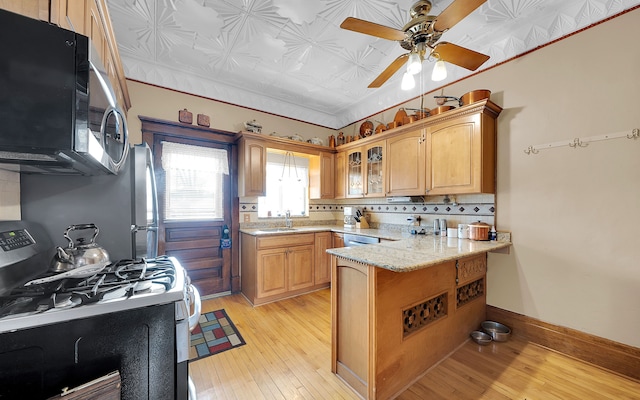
[574, 213]
[155, 102]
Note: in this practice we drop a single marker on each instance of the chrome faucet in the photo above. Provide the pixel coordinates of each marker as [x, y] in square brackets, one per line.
[288, 223]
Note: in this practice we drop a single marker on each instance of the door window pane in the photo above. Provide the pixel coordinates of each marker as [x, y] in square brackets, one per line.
[193, 181]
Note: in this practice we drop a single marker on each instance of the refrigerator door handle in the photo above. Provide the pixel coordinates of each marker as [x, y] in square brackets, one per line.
[137, 228]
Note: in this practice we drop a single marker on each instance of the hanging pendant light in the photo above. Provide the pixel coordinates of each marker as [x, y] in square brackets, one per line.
[408, 82]
[414, 65]
[439, 71]
[286, 167]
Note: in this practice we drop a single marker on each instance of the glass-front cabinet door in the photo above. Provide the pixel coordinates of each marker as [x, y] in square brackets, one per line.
[355, 173]
[374, 170]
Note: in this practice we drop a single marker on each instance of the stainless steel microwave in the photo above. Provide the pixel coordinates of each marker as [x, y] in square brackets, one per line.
[58, 111]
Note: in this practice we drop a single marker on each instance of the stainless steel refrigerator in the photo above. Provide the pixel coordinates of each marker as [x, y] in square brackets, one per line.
[124, 207]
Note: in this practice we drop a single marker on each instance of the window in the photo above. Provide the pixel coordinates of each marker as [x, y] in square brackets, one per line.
[287, 185]
[194, 182]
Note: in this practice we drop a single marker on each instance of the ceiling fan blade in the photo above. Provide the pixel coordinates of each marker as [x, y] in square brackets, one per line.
[460, 56]
[391, 69]
[455, 13]
[371, 28]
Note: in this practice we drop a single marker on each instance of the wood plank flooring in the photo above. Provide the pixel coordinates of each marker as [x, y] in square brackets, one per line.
[287, 356]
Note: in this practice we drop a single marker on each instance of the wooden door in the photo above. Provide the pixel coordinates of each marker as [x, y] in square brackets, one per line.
[322, 267]
[340, 175]
[321, 176]
[253, 168]
[197, 243]
[300, 266]
[354, 168]
[271, 272]
[406, 164]
[461, 156]
[374, 169]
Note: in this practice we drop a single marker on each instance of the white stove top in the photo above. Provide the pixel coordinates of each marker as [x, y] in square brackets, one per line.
[155, 294]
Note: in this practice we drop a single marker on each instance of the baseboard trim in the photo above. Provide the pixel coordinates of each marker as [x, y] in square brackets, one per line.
[605, 353]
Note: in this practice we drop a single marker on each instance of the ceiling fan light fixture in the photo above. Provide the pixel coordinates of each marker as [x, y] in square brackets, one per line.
[408, 82]
[439, 71]
[414, 66]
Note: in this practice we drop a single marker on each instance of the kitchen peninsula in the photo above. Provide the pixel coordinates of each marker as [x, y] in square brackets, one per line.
[400, 307]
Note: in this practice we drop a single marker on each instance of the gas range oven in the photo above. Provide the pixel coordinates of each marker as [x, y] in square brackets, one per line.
[63, 330]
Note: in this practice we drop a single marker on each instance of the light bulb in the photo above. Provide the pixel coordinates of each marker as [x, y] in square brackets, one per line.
[439, 71]
[408, 82]
[414, 66]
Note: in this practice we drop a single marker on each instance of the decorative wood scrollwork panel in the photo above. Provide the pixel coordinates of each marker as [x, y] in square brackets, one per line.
[471, 268]
[469, 292]
[421, 315]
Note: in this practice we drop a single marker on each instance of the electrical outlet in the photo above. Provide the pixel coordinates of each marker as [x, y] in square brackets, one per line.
[247, 217]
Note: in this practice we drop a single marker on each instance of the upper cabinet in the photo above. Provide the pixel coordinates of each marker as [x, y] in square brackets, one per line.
[406, 164]
[321, 176]
[340, 176]
[355, 173]
[37, 9]
[252, 164]
[252, 168]
[450, 153]
[91, 18]
[375, 169]
[461, 155]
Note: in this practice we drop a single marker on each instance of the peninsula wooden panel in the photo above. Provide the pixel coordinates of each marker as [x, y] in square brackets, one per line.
[394, 357]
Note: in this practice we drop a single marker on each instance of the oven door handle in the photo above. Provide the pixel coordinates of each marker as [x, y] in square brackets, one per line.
[194, 299]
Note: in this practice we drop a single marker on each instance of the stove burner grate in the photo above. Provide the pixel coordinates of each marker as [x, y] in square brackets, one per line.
[117, 281]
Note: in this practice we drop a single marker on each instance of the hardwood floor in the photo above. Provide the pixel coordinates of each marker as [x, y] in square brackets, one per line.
[287, 356]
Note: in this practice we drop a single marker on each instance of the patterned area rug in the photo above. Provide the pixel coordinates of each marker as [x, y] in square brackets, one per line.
[214, 334]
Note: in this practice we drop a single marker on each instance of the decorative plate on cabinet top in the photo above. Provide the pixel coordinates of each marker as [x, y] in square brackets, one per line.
[366, 129]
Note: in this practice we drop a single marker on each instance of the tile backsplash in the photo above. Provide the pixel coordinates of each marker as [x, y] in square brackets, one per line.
[9, 195]
[460, 209]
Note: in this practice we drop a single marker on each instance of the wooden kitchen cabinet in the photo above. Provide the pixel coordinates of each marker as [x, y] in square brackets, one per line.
[91, 18]
[355, 172]
[275, 267]
[338, 239]
[37, 9]
[252, 168]
[461, 155]
[323, 241]
[340, 176]
[406, 165]
[374, 169]
[321, 176]
[449, 153]
[70, 14]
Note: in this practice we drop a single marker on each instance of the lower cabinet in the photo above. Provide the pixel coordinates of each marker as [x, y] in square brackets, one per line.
[280, 266]
[323, 241]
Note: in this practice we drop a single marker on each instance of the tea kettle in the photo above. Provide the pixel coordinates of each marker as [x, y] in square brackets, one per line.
[79, 254]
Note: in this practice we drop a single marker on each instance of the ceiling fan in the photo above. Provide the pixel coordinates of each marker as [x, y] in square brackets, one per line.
[420, 37]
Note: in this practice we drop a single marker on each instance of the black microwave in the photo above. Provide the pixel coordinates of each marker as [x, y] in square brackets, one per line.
[58, 111]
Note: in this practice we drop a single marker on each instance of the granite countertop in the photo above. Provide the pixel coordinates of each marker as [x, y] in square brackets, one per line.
[402, 252]
[416, 252]
[379, 233]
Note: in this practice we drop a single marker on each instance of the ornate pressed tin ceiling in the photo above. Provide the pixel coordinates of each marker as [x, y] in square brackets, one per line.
[290, 57]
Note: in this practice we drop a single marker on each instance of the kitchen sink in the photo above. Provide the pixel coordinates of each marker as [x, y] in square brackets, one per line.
[277, 229]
